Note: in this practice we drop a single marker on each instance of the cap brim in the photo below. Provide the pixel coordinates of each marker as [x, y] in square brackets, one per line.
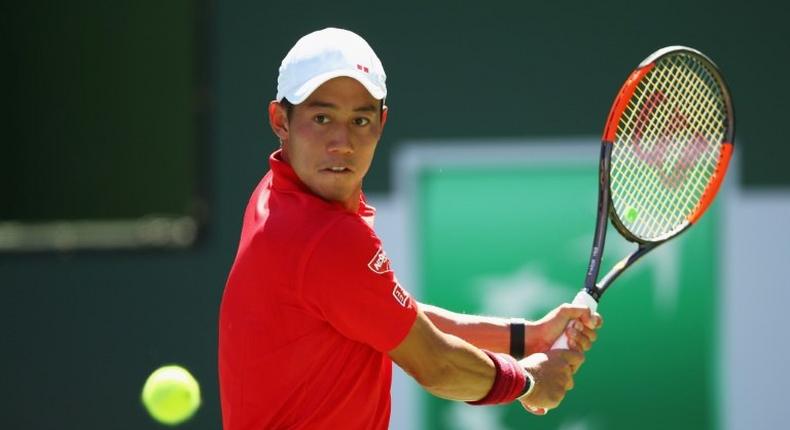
[304, 91]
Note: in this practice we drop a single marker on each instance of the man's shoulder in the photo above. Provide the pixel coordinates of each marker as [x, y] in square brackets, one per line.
[351, 244]
[298, 218]
[350, 228]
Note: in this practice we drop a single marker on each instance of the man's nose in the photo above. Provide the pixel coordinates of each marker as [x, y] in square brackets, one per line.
[340, 141]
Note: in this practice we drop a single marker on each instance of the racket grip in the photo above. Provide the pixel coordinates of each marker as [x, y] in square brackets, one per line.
[584, 299]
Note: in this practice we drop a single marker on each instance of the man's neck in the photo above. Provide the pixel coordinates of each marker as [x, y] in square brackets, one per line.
[352, 203]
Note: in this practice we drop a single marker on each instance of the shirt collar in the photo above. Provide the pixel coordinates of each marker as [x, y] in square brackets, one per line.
[283, 175]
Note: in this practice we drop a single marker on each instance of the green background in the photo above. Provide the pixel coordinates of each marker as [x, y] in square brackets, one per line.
[513, 241]
[82, 330]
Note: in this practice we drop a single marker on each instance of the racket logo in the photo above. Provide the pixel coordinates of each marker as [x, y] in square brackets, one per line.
[659, 148]
[596, 252]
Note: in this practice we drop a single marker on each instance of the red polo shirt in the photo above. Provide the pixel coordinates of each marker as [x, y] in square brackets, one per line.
[310, 309]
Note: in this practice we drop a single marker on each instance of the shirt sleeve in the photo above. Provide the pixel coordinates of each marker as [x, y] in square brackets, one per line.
[348, 279]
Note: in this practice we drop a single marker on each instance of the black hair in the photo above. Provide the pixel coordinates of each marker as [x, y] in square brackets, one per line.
[289, 107]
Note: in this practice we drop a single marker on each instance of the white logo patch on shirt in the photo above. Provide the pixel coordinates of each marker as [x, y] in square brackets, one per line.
[400, 294]
[380, 263]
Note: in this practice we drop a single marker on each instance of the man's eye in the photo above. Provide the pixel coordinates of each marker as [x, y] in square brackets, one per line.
[361, 121]
[321, 119]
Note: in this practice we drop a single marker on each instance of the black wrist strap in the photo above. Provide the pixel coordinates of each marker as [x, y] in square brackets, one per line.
[517, 329]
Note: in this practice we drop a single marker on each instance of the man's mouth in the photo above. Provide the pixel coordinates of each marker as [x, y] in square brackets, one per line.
[337, 169]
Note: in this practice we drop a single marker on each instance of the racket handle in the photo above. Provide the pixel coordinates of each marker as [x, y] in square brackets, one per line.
[584, 299]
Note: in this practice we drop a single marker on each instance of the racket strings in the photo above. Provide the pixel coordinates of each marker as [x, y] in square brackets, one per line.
[667, 147]
[657, 156]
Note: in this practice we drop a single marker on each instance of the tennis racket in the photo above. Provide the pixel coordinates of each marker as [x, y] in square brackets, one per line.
[664, 153]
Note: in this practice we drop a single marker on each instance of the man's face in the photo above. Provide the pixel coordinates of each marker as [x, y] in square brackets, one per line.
[330, 138]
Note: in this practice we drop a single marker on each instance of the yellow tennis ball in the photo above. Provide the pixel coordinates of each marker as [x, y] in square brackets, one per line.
[631, 214]
[171, 395]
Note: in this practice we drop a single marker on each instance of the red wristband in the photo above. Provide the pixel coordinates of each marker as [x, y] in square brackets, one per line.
[509, 381]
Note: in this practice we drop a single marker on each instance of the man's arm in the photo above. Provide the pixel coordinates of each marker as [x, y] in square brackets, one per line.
[445, 365]
[451, 368]
[493, 333]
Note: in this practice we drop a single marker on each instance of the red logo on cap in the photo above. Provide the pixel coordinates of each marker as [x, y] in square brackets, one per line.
[363, 68]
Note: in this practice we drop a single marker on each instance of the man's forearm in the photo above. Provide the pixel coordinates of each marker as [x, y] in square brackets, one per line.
[445, 365]
[453, 368]
[489, 333]
[467, 373]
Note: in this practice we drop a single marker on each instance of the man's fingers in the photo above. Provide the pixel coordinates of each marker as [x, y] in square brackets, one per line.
[592, 320]
[572, 311]
[535, 410]
[587, 333]
[596, 321]
[573, 358]
[578, 340]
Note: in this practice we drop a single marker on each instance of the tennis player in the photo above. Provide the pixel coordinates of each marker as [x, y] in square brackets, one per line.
[313, 316]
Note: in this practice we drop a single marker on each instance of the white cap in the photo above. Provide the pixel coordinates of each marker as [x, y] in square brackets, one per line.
[326, 54]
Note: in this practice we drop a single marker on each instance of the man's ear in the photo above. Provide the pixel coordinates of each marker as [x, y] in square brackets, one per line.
[278, 120]
[384, 111]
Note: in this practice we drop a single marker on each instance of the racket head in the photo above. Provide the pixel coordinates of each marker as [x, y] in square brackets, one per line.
[672, 130]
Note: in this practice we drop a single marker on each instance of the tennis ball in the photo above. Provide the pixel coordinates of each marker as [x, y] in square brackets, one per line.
[631, 213]
[171, 395]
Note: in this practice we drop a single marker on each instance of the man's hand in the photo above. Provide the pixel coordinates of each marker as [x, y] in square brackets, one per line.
[553, 374]
[541, 334]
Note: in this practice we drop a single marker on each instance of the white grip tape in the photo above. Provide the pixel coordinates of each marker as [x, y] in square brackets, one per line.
[584, 299]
